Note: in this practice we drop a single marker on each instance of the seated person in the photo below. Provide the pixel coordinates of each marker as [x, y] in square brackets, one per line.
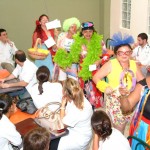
[106, 137]
[141, 53]
[25, 71]
[7, 51]
[76, 112]
[36, 139]
[45, 91]
[8, 134]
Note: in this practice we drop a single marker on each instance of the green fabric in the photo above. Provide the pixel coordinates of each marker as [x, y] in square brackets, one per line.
[94, 51]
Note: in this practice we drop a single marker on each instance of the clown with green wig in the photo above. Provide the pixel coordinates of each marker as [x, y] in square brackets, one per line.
[64, 41]
[86, 49]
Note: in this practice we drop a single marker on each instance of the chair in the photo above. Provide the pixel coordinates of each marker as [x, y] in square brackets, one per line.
[140, 142]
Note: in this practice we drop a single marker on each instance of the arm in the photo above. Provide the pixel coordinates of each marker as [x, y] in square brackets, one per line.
[128, 103]
[102, 72]
[8, 78]
[34, 38]
[21, 83]
[95, 142]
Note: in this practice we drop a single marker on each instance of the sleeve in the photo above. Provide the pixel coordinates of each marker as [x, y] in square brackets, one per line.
[59, 40]
[16, 71]
[134, 52]
[13, 136]
[71, 118]
[14, 49]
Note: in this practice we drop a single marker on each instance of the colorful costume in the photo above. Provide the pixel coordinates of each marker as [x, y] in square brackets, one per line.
[114, 80]
[140, 125]
[85, 53]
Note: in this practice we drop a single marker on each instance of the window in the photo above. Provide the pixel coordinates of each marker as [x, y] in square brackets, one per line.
[149, 17]
[126, 13]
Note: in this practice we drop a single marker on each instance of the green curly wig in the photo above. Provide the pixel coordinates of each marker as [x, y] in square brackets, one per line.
[68, 22]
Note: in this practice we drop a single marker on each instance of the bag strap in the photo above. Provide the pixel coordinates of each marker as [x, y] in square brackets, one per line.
[54, 103]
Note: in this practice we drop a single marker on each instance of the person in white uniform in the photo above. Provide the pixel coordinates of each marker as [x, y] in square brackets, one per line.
[45, 91]
[25, 71]
[7, 51]
[76, 112]
[106, 137]
[8, 134]
[142, 52]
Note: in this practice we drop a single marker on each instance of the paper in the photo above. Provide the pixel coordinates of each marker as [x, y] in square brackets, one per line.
[92, 67]
[50, 42]
[53, 24]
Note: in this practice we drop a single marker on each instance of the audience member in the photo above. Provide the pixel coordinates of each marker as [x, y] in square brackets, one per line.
[140, 97]
[7, 51]
[25, 71]
[44, 91]
[76, 113]
[36, 139]
[120, 71]
[9, 136]
[142, 52]
[44, 34]
[105, 136]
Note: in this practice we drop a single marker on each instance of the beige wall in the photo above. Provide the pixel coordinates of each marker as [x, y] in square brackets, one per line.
[139, 18]
[18, 16]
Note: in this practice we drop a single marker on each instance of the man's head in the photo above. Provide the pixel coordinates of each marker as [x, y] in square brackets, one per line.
[20, 57]
[142, 39]
[3, 35]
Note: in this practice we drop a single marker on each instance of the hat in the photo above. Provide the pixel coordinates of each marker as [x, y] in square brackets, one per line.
[87, 26]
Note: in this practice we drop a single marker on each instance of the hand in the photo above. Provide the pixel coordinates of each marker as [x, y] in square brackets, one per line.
[2, 80]
[98, 62]
[108, 90]
[123, 91]
[64, 101]
[5, 85]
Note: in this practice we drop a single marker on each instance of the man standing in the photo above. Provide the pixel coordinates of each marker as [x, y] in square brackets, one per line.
[7, 50]
[142, 52]
[25, 71]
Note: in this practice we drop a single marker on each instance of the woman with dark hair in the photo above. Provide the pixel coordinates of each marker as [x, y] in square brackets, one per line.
[106, 137]
[120, 72]
[76, 113]
[36, 139]
[8, 134]
[45, 91]
[42, 33]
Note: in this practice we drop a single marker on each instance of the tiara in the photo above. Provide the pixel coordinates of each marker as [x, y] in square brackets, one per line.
[119, 39]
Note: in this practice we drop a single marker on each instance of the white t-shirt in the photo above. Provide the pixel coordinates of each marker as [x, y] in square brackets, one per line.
[6, 52]
[26, 73]
[8, 133]
[116, 141]
[79, 126]
[142, 54]
[52, 92]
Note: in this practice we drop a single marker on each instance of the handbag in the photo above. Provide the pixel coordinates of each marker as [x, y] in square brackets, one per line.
[49, 119]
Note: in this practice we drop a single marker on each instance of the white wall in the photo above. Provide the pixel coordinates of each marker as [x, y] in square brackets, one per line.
[139, 17]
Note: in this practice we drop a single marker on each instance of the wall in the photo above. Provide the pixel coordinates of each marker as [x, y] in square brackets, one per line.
[139, 12]
[18, 16]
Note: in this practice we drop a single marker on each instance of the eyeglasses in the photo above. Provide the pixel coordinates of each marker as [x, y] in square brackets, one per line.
[120, 53]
